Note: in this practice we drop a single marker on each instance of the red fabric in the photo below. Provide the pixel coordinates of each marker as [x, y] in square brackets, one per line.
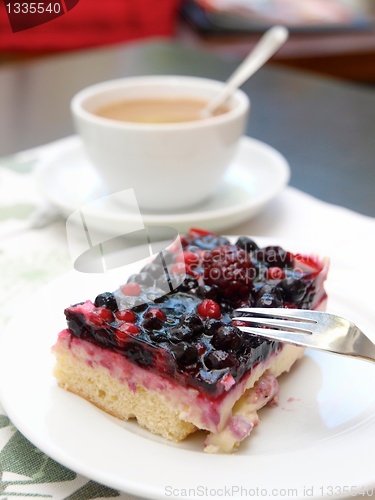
[93, 23]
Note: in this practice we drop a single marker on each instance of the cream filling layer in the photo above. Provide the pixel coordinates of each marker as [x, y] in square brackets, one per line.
[244, 416]
[193, 406]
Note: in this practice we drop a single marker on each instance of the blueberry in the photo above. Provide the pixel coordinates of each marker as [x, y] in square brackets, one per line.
[194, 322]
[208, 292]
[273, 290]
[153, 323]
[211, 326]
[185, 354]
[142, 278]
[268, 300]
[139, 355]
[227, 338]
[275, 256]
[226, 306]
[246, 244]
[294, 289]
[217, 360]
[76, 322]
[142, 306]
[158, 336]
[210, 241]
[261, 270]
[188, 284]
[193, 248]
[180, 333]
[106, 299]
[102, 336]
[154, 270]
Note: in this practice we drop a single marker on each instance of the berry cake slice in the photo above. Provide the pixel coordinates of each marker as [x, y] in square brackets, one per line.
[177, 362]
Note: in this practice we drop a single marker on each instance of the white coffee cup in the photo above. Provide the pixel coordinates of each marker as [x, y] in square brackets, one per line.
[170, 166]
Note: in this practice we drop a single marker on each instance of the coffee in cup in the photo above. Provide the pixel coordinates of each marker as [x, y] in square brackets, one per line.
[172, 110]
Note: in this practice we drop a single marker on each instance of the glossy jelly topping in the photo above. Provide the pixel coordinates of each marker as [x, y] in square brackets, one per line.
[188, 334]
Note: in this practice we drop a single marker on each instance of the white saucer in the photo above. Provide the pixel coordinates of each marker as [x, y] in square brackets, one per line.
[258, 173]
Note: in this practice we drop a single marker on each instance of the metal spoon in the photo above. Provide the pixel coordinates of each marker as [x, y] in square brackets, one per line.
[269, 43]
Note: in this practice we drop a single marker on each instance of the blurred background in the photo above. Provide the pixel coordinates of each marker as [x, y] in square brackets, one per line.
[335, 38]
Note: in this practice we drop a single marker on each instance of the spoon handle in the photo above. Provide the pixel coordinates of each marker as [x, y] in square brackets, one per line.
[269, 43]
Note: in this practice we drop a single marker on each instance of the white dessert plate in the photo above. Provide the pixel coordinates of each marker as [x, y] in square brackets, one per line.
[319, 442]
[257, 174]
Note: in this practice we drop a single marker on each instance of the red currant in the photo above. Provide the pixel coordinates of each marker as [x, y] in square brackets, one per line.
[209, 309]
[101, 315]
[275, 273]
[195, 232]
[154, 312]
[126, 315]
[187, 257]
[123, 332]
[129, 328]
[133, 289]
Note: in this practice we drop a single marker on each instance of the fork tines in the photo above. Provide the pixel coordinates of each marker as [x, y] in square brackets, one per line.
[293, 320]
[316, 329]
[271, 322]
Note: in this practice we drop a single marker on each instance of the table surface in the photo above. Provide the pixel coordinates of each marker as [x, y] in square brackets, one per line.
[345, 54]
[325, 128]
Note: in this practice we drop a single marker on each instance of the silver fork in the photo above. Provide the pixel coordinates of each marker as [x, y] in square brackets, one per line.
[315, 329]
